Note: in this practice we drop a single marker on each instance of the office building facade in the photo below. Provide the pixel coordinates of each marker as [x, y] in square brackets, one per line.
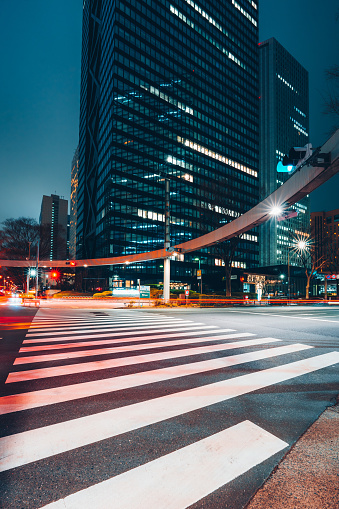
[169, 90]
[73, 204]
[54, 222]
[284, 123]
[325, 235]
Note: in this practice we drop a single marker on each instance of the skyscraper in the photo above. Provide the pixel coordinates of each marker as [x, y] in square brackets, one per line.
[73, 204]
[325, 235]
[169, 90]
[54, 220]
[284, 123]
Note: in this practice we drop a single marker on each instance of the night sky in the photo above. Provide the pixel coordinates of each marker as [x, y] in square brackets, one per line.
[40, 43]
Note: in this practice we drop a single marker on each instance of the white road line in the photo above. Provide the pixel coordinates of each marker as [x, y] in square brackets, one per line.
[34, 399]
[36, 444]
[67, 323]
[114, 333]
[106, 323]
[183, 477]
[122, 327]
[287, 316]
[141, 343]
[48, 357]
[77, 319]
[72, 342]
[33, 374]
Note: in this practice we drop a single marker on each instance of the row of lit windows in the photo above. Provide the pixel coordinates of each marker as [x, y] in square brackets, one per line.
[190, 23]
[212, 21]
[245, 13]
[299, 111]
[219, 157]
[235, 264]
[287, 83]
[299, 127]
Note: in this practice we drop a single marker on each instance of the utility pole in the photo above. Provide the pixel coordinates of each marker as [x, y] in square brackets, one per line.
[288, 274]
[167, 261]
[28, 270]
[37, 273]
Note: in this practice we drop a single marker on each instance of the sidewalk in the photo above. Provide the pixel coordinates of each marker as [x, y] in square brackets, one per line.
[308, 476]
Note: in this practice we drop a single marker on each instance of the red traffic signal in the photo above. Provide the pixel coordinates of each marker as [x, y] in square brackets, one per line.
[55, 274]
[72, 263]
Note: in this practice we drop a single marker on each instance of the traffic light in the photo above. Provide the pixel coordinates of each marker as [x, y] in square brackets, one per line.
[55, 274]
[295, 158]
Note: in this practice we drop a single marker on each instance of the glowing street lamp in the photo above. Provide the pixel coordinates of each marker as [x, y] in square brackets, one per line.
[276, 211]
[301, 245]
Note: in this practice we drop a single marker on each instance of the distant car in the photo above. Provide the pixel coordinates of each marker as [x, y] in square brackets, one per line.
[17, 293]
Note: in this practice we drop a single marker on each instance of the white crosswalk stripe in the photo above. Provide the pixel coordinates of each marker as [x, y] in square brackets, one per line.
[183, 350]
[103, 334]
[225, 456]
[164, 323]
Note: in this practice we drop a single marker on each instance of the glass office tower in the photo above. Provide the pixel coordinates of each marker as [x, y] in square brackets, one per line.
[169, 90]
[284, 123]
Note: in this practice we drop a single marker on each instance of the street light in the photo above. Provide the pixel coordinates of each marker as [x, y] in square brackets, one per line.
[297, 245]
[276, 211]
[200, 273]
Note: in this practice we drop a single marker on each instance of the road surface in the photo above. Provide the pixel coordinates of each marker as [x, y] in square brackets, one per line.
[157, 408]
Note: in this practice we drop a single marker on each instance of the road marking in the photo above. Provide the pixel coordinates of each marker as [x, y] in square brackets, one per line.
[183, 477]
[122, 327]
[33, 374]
[198, 329]
[138, 343]
[36, 444]
[48, 357]
[286, 316]
[34, 399]
[99, 323]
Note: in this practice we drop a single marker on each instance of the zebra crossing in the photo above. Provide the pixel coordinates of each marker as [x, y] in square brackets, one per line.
[74, 388]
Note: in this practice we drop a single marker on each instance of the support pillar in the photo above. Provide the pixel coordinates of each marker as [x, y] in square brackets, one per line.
[167, 278]
[167, 261]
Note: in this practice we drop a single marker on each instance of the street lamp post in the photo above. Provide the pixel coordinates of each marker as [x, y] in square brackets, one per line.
[28, 274]
[288, 276]
[37, 273]
[167, 261]
[198, 260]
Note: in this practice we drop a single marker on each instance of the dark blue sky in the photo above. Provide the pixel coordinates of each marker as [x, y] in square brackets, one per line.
[40, 43]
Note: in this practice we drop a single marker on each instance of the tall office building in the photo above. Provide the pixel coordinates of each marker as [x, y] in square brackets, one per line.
[169, 90]
[54, 220]
[284, 123]
[73, 204]
[325, 235]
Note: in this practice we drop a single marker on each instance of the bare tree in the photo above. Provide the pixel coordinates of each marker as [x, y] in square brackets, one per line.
[19, 240]
[226, 252]
[311, 262]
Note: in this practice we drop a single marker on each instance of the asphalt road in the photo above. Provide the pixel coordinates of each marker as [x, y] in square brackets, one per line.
[157, 408]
